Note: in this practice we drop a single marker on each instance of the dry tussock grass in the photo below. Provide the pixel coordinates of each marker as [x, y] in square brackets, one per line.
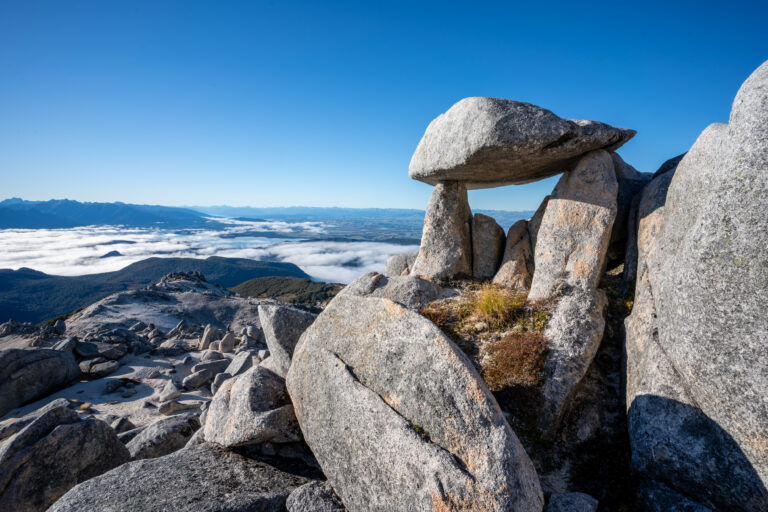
[499, 330]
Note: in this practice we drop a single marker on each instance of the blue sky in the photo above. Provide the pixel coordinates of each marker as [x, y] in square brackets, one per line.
[322, 103]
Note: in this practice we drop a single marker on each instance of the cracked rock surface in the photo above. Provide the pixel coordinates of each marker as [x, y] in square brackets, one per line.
[399, 419]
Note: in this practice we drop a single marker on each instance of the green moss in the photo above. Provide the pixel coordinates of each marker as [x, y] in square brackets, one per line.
[420, 432]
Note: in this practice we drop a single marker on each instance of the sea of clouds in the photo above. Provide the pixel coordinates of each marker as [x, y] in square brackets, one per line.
[79, 251]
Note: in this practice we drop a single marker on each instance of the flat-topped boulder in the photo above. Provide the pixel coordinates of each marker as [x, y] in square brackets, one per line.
[490, 142]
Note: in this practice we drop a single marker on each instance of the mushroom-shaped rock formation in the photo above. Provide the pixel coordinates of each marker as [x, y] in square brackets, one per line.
[490, 142]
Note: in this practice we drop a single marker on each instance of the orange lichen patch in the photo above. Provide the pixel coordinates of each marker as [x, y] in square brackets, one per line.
[394, 308]
[517, 359]
[394, 401]
[757, 445]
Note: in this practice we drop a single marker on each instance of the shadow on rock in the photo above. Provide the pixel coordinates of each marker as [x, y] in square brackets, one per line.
[679, 446]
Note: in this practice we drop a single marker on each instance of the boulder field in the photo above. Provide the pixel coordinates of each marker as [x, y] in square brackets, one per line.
[609, 353]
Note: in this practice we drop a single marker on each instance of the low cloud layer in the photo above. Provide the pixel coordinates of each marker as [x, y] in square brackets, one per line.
[80, 251]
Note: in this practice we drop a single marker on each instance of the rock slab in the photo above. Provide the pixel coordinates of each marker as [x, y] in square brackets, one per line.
[696, 340]
[572, 240]
[250, 409]
[164, 436]
[26, 375]
[203, 478]
[490, 142]
[487, 246]
[52, 454]
[283, 325]
[359, 381]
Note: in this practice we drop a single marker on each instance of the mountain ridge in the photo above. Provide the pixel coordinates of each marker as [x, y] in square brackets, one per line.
[28, 295]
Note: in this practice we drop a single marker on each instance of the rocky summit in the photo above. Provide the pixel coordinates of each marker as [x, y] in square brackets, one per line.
[607, 354]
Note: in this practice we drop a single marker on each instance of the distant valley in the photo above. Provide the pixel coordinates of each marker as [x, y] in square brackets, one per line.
[30, 296]
[58, 255]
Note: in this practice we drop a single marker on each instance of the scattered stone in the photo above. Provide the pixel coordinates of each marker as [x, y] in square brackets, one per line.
[203, 477]
[227, 343]
[170, 391]
[60, 327]
[174, 406]
[283, 325]
[359, 380]
[400, 264]
[487, 246]
[250, 409]
[215, 367]
[121, 425]
[212, 355]
[446, 242]
[26, 375]
[516, 268]
[490, 142]
[263, 354]
[98, 367]
[239, 364]
[89, 349]
[210, 334]
[269, 364]
[85, 364]
[572, 241]
[314, 497]
[162, 437]
[138, 326]
[220, 379]
[67, 345]
[197, 379]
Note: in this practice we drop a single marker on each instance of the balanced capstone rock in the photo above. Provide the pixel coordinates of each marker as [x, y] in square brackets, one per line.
[491, 142]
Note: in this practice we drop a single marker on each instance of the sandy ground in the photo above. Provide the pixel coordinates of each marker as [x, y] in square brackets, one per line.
[151, 372]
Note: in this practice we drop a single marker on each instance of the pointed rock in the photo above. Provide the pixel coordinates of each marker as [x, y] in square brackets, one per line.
[572, 241]
[487, 246]
[446, 241]
[516, 270]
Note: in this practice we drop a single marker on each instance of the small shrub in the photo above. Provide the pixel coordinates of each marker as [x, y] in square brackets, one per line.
[517, 359]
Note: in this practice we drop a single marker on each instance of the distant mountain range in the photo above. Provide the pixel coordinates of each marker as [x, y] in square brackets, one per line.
[17, 213]
[27, 295]
[393, 225]
[326, 214]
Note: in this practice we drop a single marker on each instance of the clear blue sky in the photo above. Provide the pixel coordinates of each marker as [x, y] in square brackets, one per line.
[296, 103]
